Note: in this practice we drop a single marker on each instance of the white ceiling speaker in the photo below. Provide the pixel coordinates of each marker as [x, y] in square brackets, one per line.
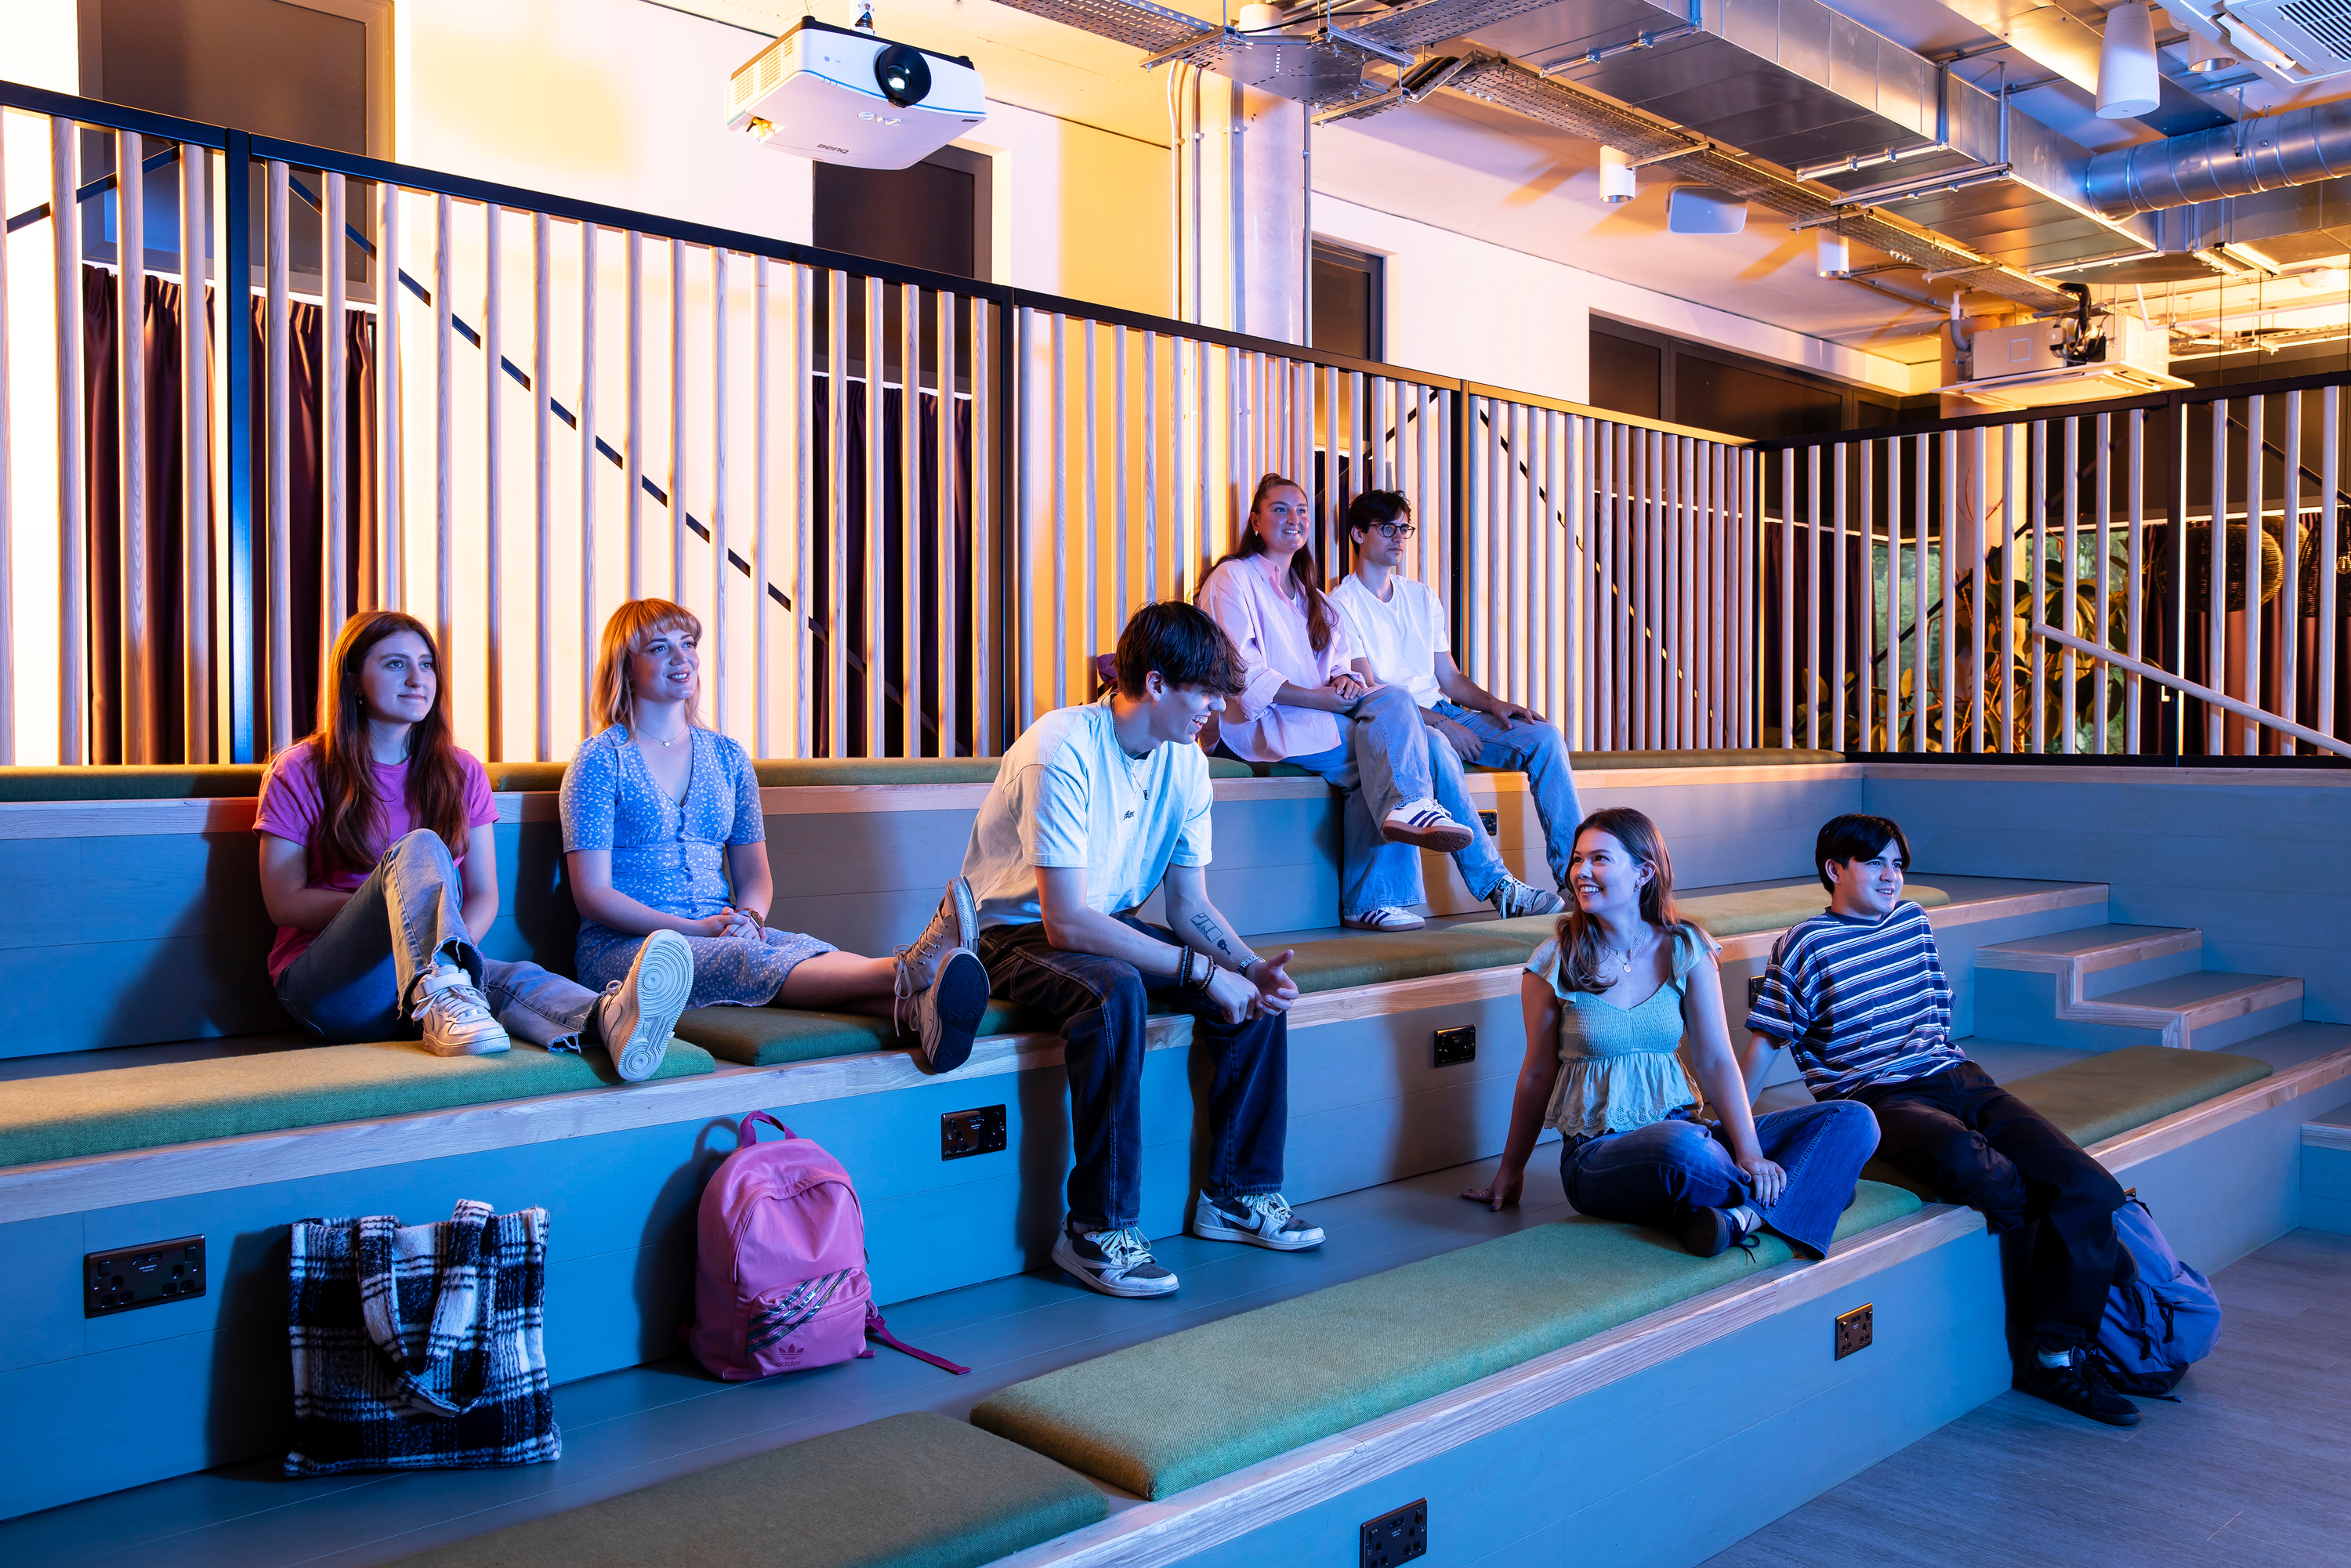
[2128, 82]
[1617, 181]
[1705, 210]
[1832, 253]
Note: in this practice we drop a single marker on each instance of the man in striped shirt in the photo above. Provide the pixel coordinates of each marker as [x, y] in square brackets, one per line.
[1858, 993]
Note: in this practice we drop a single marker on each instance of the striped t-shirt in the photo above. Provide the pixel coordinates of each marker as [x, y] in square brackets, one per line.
[1859, 1001]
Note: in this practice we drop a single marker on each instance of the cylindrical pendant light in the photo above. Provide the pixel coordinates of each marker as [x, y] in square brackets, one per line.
[2128, 85]
[1616, 178]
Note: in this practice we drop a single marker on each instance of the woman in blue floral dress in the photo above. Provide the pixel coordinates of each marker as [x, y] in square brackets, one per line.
[663, 832]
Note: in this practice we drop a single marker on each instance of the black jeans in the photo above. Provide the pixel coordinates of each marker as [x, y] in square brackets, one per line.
[1102, 1003]
[1972, 1142]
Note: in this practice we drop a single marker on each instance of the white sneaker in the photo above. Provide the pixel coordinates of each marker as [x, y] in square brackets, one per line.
[1261, 1220]
[1115, 1262]
[636, 1015]
[947, 1014]
[1426, 825]
[1388, 918]
[954, 924]
[1514, 898]
[456, 1018]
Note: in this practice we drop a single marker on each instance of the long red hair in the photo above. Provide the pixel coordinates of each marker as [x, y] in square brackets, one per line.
[350, 820]
[1320, 620]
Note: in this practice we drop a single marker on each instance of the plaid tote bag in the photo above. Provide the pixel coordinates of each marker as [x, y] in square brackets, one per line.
[418, 1346]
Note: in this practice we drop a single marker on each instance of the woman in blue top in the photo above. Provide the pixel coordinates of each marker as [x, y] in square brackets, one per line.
[1607, 1000]
[663, 832]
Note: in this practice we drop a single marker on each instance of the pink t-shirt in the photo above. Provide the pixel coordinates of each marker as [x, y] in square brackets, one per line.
[290, 809]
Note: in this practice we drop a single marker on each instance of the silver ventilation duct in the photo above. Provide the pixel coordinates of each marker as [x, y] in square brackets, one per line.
[2299, 147]
[1687, 158]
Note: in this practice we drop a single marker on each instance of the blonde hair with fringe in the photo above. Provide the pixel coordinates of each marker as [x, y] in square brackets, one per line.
[626, 631]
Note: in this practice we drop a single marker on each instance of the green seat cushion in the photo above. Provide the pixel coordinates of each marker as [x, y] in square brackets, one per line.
[1771, 908]
[1603, 761]
[918, 1490]
[170, 783]
[1170, 1413]
[75, 1115]
[525, 778]
[2101, 1096]
[770, 1036]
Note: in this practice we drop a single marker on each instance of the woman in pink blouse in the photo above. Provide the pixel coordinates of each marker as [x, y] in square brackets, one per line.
[1310, 701]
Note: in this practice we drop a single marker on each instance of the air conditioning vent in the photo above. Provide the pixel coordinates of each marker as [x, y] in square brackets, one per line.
[2316, 33]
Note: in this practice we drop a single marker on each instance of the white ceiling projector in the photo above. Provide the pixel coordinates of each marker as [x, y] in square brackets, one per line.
[841, 95]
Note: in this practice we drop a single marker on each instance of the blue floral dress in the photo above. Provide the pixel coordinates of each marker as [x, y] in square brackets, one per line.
[671, 856]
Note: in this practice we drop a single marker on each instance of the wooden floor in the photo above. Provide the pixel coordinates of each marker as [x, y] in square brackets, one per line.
[2251, 1469]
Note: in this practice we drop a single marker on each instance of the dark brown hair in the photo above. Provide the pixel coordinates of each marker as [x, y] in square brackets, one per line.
[1319, 621]
[1183, 645]
[1579, 933]
[349, 817]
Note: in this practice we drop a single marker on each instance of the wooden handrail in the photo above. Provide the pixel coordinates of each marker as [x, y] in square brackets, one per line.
[2194, 689]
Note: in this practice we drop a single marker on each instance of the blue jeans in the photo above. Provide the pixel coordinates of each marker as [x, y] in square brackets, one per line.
[1655, 1174]
[1538, 750]
[356, 979]
[1101, 1004]
[1380, 763]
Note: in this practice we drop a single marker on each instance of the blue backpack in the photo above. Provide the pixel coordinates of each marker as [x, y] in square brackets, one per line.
[2161, 1316]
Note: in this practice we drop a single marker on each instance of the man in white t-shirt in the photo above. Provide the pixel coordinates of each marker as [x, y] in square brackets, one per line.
[1401, 626]
[1094, 808]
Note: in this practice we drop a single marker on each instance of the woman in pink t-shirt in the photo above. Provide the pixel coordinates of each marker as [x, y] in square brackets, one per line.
[1310, 701]
[380, 866]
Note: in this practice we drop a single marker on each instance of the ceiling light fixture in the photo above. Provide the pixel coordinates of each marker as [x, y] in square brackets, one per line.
[2128, 85]
[1617, 181]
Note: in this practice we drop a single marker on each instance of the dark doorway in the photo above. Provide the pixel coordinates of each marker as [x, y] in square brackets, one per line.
[934, 215]
[1350, 302]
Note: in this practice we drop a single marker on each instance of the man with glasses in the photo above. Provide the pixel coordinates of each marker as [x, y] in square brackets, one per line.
[1402, 626]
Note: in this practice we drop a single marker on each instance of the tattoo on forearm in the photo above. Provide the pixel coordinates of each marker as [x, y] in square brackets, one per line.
[1210, 932]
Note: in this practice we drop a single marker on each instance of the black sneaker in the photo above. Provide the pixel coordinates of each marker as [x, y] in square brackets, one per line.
[2079, 1386]
[1115, 1262]
[1710, 1232]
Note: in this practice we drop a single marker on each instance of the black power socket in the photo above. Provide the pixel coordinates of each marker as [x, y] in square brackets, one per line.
[1493, 823]
[144, 1276]
[1856, 1329]
[963, 1133]
[1455, 1046]
[1396, 1537]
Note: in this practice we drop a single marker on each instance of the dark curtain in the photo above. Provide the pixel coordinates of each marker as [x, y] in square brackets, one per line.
[166, 738]
[307, 491]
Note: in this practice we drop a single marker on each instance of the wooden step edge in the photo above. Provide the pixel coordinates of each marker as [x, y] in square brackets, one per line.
[2325, 1136]
[2178, 1025]
[2125, 1150]
[2090, 960]
[1149, 1534]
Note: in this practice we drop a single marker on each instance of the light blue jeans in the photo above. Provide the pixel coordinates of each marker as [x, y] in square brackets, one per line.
[1379, 762]
[1538, 750]
[356, 980]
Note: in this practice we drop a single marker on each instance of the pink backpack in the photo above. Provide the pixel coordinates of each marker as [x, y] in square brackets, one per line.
[780, 1281]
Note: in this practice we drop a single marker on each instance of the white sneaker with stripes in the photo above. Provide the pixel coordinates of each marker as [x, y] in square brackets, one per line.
[1425, 824]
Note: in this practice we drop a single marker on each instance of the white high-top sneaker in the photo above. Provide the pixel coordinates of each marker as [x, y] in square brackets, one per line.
[636, 1014]
[455, 1017]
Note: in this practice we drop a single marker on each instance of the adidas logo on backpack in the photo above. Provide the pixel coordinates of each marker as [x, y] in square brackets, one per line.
[780, 1263]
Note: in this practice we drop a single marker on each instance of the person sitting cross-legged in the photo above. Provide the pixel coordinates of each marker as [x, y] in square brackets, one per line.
[1857, 992]
[1092, 808]
[1607, 1000]
[1399, 627]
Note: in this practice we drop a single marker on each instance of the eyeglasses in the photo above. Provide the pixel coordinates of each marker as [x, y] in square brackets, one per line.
[1395, 530]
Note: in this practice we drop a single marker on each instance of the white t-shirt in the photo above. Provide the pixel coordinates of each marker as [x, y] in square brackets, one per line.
[1068, 795]
[1402, 637]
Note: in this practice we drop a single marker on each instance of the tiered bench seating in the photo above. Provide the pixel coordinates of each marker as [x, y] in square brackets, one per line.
[908, 1491]
[235, 1136]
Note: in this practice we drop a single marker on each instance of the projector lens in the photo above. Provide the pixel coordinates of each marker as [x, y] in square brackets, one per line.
[903, 75]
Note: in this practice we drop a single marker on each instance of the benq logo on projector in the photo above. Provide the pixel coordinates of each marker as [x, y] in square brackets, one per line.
[845, 96]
